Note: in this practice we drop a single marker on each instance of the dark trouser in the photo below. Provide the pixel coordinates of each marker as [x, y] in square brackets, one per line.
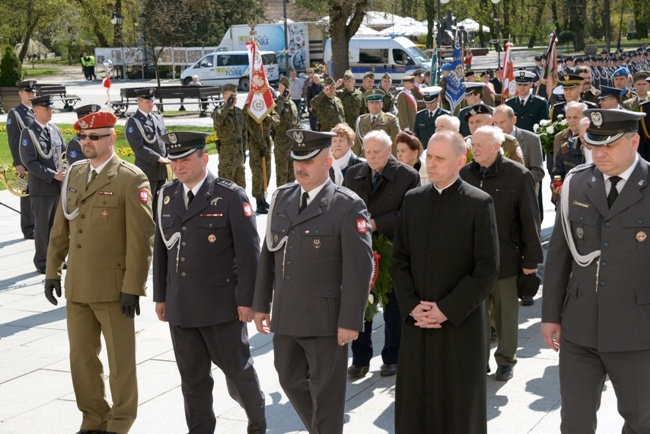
[540, 201]
[44, 208]
[91, 72]
[506, 320]
[362, 347]
[26, 217]
[298, 103]
[582, 376]
[320, 399]
[313, 121]
[155, 186]
[227, 346]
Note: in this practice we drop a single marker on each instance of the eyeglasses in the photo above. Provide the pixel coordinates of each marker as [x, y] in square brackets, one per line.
[93, 137]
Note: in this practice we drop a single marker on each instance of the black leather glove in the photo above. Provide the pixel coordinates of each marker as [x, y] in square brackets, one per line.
[231, 100]
[52, 285]
[264, 152]
[130, 304]
[285, 93]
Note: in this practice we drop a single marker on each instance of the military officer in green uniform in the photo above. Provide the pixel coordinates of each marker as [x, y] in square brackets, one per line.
[260, 145]
[351, 97]
[530, 109]
[388, 100]
[104, 225]
[289, 119]
[375, 119]
[641, 86]
[425, 120]
[367, 83]
[230, 126]
[328, 106]
[73, 152]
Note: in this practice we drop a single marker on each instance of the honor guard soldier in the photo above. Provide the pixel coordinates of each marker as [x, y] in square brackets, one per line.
[143, 131]
[407, 104]
[571, 87]
[104, 225]
[388, 102]
[316, 265]
[18, 118]
[289, 120]
[425, 120]
[41, 146]
[351, 98]
[205, 260]
[641, 86]
[328, 106]
[473, 96]
[375, 119]
[622, 80]
[74, 152]
[595, 307]
[230, 125]
[530, 109]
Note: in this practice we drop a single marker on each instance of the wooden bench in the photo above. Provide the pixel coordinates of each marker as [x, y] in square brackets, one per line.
[166, 95]
[58, 90]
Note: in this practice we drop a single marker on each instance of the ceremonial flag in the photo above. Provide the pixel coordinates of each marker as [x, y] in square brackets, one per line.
[260, 97]
[509, 86]
[455, 91]
[549, 77]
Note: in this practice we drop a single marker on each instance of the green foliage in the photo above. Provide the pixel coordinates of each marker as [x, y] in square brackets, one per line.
[565, 37]
[383, 284]
[10, 67]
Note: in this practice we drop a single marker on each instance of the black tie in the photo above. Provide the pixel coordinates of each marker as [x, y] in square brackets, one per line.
[303, 202]
[430, 115]
[613, 192]
[190, 196]
[375, 180]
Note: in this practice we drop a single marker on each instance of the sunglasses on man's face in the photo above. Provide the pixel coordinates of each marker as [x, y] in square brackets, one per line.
[93, 136]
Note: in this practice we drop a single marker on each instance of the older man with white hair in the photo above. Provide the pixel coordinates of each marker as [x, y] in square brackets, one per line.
[512, 188]
[447, 123]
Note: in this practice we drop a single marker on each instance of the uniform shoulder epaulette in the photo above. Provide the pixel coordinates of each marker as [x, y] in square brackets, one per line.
[226, 183]
[76, 164]
[537, 97]
[169, 183]
[132, 167]
[580, 168]
[346, 191]
[558, 104]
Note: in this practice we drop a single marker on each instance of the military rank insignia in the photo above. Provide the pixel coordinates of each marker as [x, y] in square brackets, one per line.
[362, 226]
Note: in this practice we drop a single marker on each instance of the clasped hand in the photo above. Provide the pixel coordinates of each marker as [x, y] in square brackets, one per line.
[427, 315]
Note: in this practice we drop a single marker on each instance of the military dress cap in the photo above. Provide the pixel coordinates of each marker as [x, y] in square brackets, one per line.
[306, 144]
[469, 73]
[486, 73]
[229, 88]
[369, 74]
[610, 92]
[430, 94]
[478, 109]
[180, 144]
[570, 80]
[621, 72]
[568, 58]
[329, 81]
[447, 67]
[538, 58]
[147, 93]
[607, 126]
[374, 95]
[473, 87]
[523, 76]
[95, 120]
[87, 109]
[43, 101]
[408, 79]
[418, 72]
[27, 86]
[386, 76]
[641, 75]
[285, 81]
[348, 75]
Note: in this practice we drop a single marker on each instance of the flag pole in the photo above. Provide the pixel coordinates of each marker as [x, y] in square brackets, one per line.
[252, 25]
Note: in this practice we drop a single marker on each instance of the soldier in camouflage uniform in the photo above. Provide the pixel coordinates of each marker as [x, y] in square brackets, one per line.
[367, 83]
[230, 125]
[260, 144]
[328, 106]
[351, 98]
[289, 119]
[388, 102]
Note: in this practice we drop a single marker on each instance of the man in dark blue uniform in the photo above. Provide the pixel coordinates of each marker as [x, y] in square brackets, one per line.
[425, 120]
[205, 259]
[530, 109]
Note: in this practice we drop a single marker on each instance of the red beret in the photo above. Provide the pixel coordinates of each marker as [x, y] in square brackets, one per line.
[95, 120]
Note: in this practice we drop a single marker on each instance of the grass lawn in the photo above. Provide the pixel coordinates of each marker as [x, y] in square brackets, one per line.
[121, 146]
[40, 72]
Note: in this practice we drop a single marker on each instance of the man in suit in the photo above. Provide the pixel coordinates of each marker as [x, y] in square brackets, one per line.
[104, 225]
[595, 307]
[18, 118]
[425, 120]
[209, 224]
[530, 109]
[407, 104]
[382, 181]
[316, 264]
[41, 146]
[143, 131]
[375, 120]
[73, 152]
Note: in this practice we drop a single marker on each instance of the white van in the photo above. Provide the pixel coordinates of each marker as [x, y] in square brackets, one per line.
[223, 67]
[398, 56]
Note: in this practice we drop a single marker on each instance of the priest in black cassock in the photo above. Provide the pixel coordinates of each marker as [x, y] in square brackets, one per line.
[445, 262]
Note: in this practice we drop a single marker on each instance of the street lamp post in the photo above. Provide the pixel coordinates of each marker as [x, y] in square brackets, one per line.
[496, 2]
[117, 21]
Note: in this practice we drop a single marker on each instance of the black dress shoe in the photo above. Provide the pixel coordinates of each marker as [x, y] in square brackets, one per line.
[356, 371]
[40, 270]
[28, 236]
[504, 373]
[261, 208]
[527, 300]
[388, 370]
[256, 428]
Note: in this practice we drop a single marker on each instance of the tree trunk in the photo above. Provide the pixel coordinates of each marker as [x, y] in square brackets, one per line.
[431, 18]
[605, 16]
[639, 19]
[577, 15]
[28, 37]
[341, 33]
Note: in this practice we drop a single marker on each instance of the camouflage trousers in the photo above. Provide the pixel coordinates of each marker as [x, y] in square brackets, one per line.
[283, 164]
[255, 163]
[231, 164]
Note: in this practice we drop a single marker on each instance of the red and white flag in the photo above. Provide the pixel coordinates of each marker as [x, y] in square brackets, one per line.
[549, 77]
[260, 97]
[509, 86]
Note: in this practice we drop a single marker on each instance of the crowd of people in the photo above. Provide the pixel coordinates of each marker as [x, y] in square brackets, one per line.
[457, 193]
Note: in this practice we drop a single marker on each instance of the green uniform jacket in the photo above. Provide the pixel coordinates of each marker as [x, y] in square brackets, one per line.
[353, 103]
[230, 126]
[289, 119]
[330, 111]
[385, 121]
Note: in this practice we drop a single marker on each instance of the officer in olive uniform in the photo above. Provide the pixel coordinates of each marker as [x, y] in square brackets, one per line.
[640, 79]
[407, 104]
[104, 225]
[388, 100]
[18, 118]
[367, 83]
[425, 120]
[143, 132]
[74, 152]
[351, 98]
[41, 146]
[375, 119]
[316, 264]
[230, 125]
[260, 145]
[205, 259]
[289, 119]
[530, 109]
[328, 106]
[595, 305]
[571, 86]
